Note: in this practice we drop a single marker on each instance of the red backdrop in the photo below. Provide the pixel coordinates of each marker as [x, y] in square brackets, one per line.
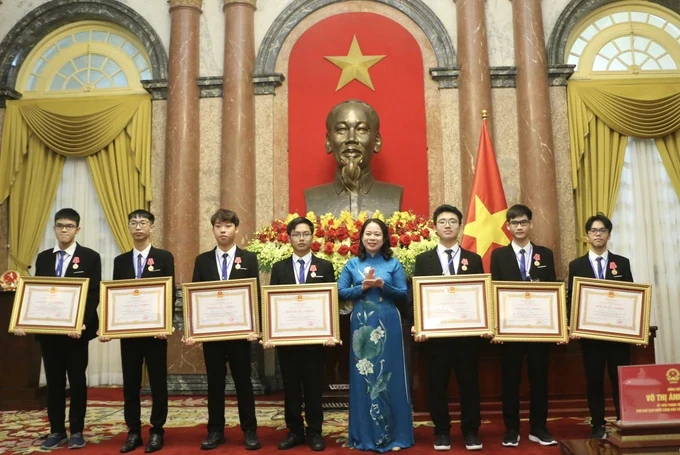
[398, 98]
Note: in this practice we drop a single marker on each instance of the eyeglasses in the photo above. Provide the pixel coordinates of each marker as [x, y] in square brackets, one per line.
[298, 235]
[449, 222]
[602, 231]
[68, 227]
[523, 223]
[141, 224]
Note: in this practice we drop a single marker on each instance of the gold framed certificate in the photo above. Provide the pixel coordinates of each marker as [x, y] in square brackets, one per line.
[49, 305]
[453, 305]
[530, 311]
[300, 314]
[220, 310]
[611, 310]
[135, 308]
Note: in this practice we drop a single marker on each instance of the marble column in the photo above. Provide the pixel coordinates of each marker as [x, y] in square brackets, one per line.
[538, 185]
[182, 137]
[238, 116]
[474, 88]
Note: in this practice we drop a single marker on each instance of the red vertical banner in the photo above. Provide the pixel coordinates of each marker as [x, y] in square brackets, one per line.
[398, 98]
[485, 228]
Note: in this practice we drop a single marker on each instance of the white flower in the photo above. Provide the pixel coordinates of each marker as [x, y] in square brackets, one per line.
[364, 366]
[377, 334]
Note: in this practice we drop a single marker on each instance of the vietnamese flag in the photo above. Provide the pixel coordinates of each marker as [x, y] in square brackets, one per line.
[394, 85]
[485, 229]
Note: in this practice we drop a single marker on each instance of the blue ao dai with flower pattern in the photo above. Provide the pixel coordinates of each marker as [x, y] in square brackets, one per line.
[380, 414]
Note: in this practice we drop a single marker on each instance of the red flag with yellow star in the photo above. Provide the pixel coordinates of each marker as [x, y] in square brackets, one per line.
[485, 229]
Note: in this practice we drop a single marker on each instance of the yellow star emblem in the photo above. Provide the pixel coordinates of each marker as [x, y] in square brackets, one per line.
[487, 228]
[354, 65]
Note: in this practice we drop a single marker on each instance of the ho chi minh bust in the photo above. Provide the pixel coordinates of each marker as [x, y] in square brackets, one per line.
[353, 136]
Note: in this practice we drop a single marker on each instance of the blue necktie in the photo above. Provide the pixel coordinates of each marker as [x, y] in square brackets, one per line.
[225, 265]
[600, 270]
[449, 253]
[522, 265]
[139, 265]
[301, 273]
[60, 262]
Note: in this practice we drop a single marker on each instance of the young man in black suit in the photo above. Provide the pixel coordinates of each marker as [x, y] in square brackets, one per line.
[443, 354]
[227, 262]
[302, 366]
[63, 354]
[602, 264]
[524, 261]
[144, 261]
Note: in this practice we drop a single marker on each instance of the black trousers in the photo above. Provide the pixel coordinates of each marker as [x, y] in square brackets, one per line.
[597, 354]
[133, 352]
[512, 357]
[216, 355]
[302, 373]
[461, 355]
[64, 356]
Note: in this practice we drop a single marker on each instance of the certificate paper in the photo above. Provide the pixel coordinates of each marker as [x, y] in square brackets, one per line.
[136, 308]
[530, 311]
[450, 306]
[220, 310]
[300, 314]
[611, 310]
[49, 305]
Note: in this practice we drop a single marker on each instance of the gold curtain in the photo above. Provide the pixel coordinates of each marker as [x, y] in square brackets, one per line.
[114, 133]
[602, 114]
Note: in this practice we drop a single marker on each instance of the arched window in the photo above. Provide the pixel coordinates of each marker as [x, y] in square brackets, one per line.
[624, 40]
[83, 58]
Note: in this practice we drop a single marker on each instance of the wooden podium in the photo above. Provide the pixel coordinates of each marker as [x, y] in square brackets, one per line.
[20, 359]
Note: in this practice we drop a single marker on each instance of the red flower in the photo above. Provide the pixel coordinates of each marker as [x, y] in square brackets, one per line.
[354, 249]
[320, 233]
[425, 233]
[316, 246]
[328, 248]
[390, 230]
[264, 238]
[405, 239]
[331, 234]
[282, 237]
[354, 236]
[358, 224]
[342, 233]
[410, 225]
[343, 250]
[394, 240]
[415, 238]
[331, 222]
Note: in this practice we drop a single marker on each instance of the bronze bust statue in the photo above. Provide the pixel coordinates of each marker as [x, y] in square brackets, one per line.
[353, 136]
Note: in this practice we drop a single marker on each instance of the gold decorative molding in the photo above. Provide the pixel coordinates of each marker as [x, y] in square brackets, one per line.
[252, 3]
[197, 4]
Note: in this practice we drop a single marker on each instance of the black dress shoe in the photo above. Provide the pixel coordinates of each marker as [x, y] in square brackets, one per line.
[291, 441]
[316, 442]
[252, 442]
[213, 440]
[155, 443]
[133, 441]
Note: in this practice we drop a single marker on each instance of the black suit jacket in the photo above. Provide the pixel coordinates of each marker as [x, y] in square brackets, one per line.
[283, 272]
[89, 266]
[504, 266]
[428, 264]
[581, 267]
[163, 265]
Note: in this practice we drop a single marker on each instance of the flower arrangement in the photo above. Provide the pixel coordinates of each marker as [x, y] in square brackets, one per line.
[337, 239]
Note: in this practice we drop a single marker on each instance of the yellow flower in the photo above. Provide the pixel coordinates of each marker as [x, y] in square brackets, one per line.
[311, 216]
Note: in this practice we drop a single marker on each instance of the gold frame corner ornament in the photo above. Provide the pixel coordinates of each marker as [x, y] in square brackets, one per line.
[162, 283]
[219, 286]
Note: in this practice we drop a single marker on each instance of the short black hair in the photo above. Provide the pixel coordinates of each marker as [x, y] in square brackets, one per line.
[517, 211]
[446, 208]
[224, 216]
[67, 214]
[299, 220]
[599, 217]
[385, 249]
[373, 115]
[141, 213]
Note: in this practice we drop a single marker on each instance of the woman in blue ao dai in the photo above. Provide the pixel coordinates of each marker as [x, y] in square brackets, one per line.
[380, 415]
